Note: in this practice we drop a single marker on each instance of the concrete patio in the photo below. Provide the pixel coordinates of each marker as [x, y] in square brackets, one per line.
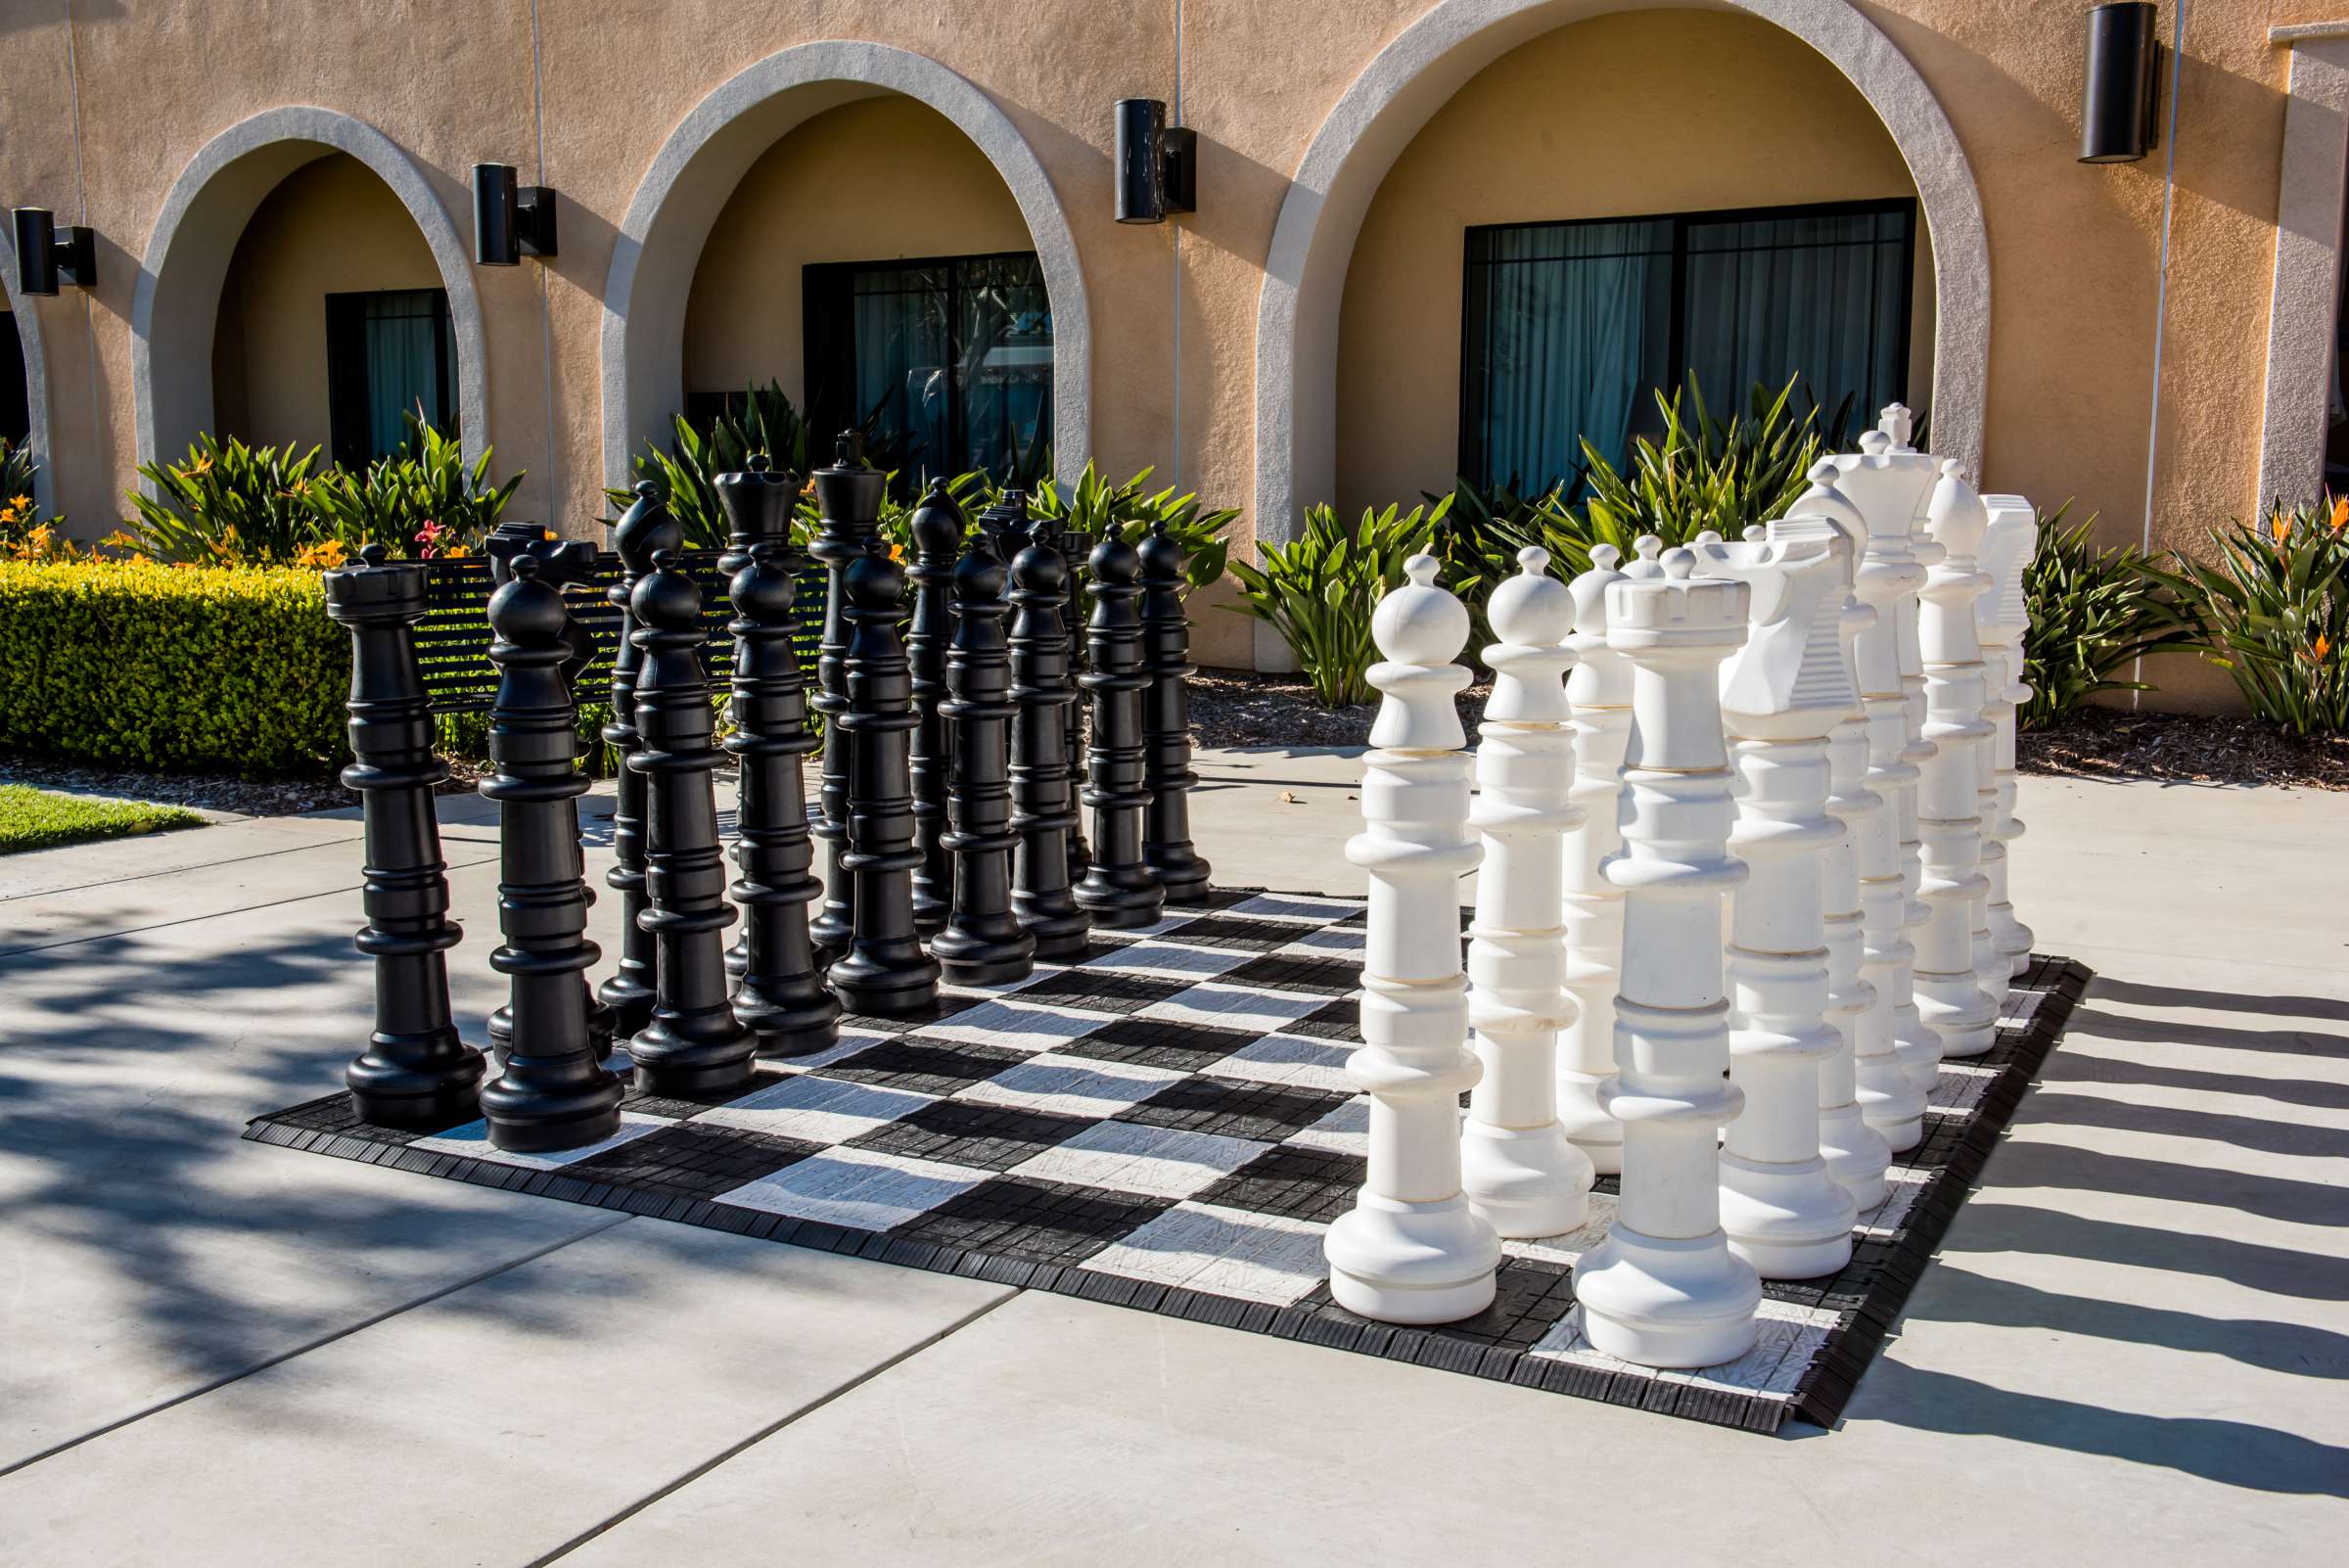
[2134, 1342]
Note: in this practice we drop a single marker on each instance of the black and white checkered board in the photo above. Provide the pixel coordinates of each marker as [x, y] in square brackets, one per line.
[1166, 1125]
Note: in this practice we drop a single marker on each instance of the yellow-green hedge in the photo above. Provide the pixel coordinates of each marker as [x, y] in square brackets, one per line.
[231, 668]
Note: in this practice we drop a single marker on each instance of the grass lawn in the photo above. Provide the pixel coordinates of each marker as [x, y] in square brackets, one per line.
[35, 820]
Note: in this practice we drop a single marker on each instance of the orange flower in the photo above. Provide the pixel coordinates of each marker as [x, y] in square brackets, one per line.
[2340, 513]
[2323, 646]
[2279, 526]
[455, 552]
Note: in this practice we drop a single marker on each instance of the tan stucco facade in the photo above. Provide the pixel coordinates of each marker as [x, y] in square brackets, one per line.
[109, 109]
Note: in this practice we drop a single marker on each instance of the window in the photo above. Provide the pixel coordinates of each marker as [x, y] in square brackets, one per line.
[388, 354]
[1569, 329]
[16, 397]
[955, 352]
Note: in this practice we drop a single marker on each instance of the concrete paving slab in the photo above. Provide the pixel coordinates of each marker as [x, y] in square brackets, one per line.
[89, 865]
[495, 1424]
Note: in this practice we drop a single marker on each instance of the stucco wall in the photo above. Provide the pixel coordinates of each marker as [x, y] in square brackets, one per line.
[870, 181]
[330, 227]
[1725, 112]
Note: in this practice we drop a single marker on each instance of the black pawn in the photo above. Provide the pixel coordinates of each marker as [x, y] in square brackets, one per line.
[848, 498]
[885, 972]
[1071, 547]
[982, 943]
[644, 529]
[937, 527]
[1042, 804]
[1167, 722]
[553, 1093]
[694, 1046]
[415, 1070]
[759, 503]
[781, 998]
[1119, 889]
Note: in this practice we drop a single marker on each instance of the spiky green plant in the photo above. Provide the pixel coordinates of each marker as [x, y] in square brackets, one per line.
[229, 505]
[1702, 472]
[426, 481]
[2273, 612]
[765, 420]
[2094, 611]
[1319, 589]
[19, 475]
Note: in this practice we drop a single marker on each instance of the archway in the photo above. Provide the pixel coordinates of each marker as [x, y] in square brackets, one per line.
[1414, 75]
[705, 160]
[28, 322]
[176, 308]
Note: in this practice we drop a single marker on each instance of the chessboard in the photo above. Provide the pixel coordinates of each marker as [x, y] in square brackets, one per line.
[1166, 1125]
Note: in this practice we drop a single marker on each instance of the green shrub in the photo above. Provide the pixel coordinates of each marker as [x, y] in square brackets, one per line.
[2094, 613]
[1319, 590]
[1094, 505]
[2274, 612]
[1702, 472]
[171, 667]
[19, 516]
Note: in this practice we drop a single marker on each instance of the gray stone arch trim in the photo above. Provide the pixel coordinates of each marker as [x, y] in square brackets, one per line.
[695, 173]
[2293, 418]
[1415, 74]
[36, 377]
[177, 304]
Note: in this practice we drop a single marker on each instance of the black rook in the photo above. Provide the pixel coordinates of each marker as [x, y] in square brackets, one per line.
[1043, 808]
[553, 1093]
[415, 1070]
[694, 1045]
[982, 943]
[885, 971]
[1167, 722]
[847, 495]
[936, 529]
[782, 998]
[1119, 888]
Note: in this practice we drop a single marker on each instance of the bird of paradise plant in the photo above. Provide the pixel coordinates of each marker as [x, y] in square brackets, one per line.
[2273, 611]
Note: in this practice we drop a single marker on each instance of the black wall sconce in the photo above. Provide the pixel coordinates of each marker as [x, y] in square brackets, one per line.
[510, 219]
[2117, 118]
[1158, 165]
[43, 257]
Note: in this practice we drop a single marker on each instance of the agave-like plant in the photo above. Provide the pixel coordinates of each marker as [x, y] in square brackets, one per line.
[427, 482]
[2273, 611]
[2094, 611]
[227, 505]
[1093, 505]
[764, 421]
[1703, 472]
[1319, 589]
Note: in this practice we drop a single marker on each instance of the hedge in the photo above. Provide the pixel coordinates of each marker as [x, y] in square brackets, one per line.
[236, 670]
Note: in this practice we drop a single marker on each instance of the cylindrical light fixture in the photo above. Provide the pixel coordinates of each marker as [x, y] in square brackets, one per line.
[1156, 163]
[2117, 105]
[510, 219]
[42, 258]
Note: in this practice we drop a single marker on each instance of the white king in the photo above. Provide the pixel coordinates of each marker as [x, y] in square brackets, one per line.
[1601, 690]
[1949, 960]
[1411, 1251]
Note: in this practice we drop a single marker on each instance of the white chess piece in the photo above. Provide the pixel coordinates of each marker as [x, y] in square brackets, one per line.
[1518, 1168]
[1663, 1289]
[1949, 960]
[1781, 696]
[2002, 617]
[1890, 488]
[1601, 690]
[1411, 1251]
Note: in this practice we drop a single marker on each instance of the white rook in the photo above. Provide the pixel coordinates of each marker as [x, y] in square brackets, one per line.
[1949, 987]
[1411, 1251]
[1663, 1289]
[1781, 697]
[1601, 690]
[1890, 488]
[1518, 1167]
[2002, 617]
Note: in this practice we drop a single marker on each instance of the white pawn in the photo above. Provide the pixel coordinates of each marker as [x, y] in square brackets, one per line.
[1601, 690]
[1890, 489]
[1663, 1289]
[1518, 1167]
[2001, 617]
[1949, 955]
[1411, 1251]
[1781, 697]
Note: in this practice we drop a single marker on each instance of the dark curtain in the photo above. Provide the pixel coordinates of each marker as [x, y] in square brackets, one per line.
[388, 354]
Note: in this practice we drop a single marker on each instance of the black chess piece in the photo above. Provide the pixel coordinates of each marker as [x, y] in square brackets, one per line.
[937, 526]
[848, 498]
[885, 972]
[781, 998]
[1071, 547]
[1167, 722]
[759, 502]
[694, 1046]
[1042, 804]
[982, 943]
[552, 1093]
[415, 1070]
[1119, 889]
[644, 529]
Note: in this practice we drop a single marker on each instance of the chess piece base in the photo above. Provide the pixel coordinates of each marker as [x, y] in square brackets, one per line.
[1121, 902]
[1588, 1125]
[969, 959]
[525, 1121]
[1854, 1154]
[1525, 1181]
[1182, 873]
[1412, 1263]
[789, 1026]
[1667, 1303]
[1895, 1109]
[440, 1085]
[1957, 1012]
[1787, 1221]
[886, 984]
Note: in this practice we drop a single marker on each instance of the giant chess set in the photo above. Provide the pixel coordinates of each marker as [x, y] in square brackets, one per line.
[1673, 1117]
